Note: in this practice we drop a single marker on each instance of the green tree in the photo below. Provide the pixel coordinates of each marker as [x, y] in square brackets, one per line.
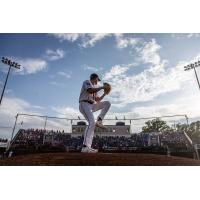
[181, 127]
[155, 125]
[193, 130]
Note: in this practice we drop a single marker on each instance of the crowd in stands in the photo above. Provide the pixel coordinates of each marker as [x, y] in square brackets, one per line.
[173, 137]
[3, 145]
[36, 138]
[175, 141]
[29, 137]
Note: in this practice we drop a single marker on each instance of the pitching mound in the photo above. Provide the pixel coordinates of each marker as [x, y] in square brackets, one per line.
[100, 159]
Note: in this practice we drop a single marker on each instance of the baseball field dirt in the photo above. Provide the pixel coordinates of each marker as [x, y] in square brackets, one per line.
[100, 159]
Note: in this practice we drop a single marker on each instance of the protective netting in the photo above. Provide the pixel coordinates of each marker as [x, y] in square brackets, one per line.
[64, 125]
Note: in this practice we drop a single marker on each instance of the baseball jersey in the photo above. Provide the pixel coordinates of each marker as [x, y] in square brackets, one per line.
[85, 95]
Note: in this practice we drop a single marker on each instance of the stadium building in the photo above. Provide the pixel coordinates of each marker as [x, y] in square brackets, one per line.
[119, 129]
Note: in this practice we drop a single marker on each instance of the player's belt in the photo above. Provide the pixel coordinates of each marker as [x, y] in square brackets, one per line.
[87, 101]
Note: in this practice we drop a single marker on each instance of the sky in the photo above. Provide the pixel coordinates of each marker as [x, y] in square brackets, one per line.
[146, 72]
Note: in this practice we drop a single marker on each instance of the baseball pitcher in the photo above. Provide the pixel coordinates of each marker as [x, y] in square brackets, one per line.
[89, 102]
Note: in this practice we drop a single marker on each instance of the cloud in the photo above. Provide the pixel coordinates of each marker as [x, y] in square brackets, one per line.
[185, 35]
[13, 106]
[179, 106]
[123, 42]
[86, 39]
[30, 65]
[66, 111]
[155, 80]
[72, 113]
[72, 37]
[116, 71]
[141, 112]
[59, 74]
[9, 109]
[187, 104]
[7, 91]
[57, 84]
[65, 74]
[195, 35]
[54, 54]
[149, 52]
[145, 86]
[34, 65]
[90, 39]
[94, 69]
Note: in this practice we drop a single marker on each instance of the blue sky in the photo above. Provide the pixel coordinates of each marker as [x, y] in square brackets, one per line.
[145, 70]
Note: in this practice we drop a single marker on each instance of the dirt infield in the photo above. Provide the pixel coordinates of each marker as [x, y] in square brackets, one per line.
[100, 159]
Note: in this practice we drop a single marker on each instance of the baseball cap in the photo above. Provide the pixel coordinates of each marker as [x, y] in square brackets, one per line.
[92, 76]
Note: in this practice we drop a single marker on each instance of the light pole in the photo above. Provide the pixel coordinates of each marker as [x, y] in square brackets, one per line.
[193, 66]
[6, 61]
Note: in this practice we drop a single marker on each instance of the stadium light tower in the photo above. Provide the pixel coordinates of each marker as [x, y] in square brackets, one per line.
[193, 66]
[6, 61]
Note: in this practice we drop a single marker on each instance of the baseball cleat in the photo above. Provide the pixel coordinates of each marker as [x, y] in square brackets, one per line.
[89, 150]
[100, 125]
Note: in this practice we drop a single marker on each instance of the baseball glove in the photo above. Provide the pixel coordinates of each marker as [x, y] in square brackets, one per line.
[107, 88]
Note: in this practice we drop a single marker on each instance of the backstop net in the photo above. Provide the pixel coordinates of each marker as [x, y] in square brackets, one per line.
[25, 121]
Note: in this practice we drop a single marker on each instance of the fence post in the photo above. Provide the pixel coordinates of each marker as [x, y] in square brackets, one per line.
[8, 146]
[14, 126]
[186, 117]
[45, 122]
[71, 125]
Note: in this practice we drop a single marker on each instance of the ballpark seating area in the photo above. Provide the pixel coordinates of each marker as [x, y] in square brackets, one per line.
[175, 141]
[36, 140]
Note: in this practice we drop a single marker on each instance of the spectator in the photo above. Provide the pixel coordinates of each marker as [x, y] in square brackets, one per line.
[35, 138]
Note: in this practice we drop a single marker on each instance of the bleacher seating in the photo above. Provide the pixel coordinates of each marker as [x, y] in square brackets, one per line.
[36, 140]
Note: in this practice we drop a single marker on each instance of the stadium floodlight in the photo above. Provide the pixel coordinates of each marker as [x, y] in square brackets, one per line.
[193, 66]
[6, 61]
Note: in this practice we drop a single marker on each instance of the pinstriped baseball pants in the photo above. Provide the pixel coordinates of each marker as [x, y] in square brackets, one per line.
[87, 111]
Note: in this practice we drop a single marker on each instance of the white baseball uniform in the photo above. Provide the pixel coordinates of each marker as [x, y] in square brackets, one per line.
[87, 110]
